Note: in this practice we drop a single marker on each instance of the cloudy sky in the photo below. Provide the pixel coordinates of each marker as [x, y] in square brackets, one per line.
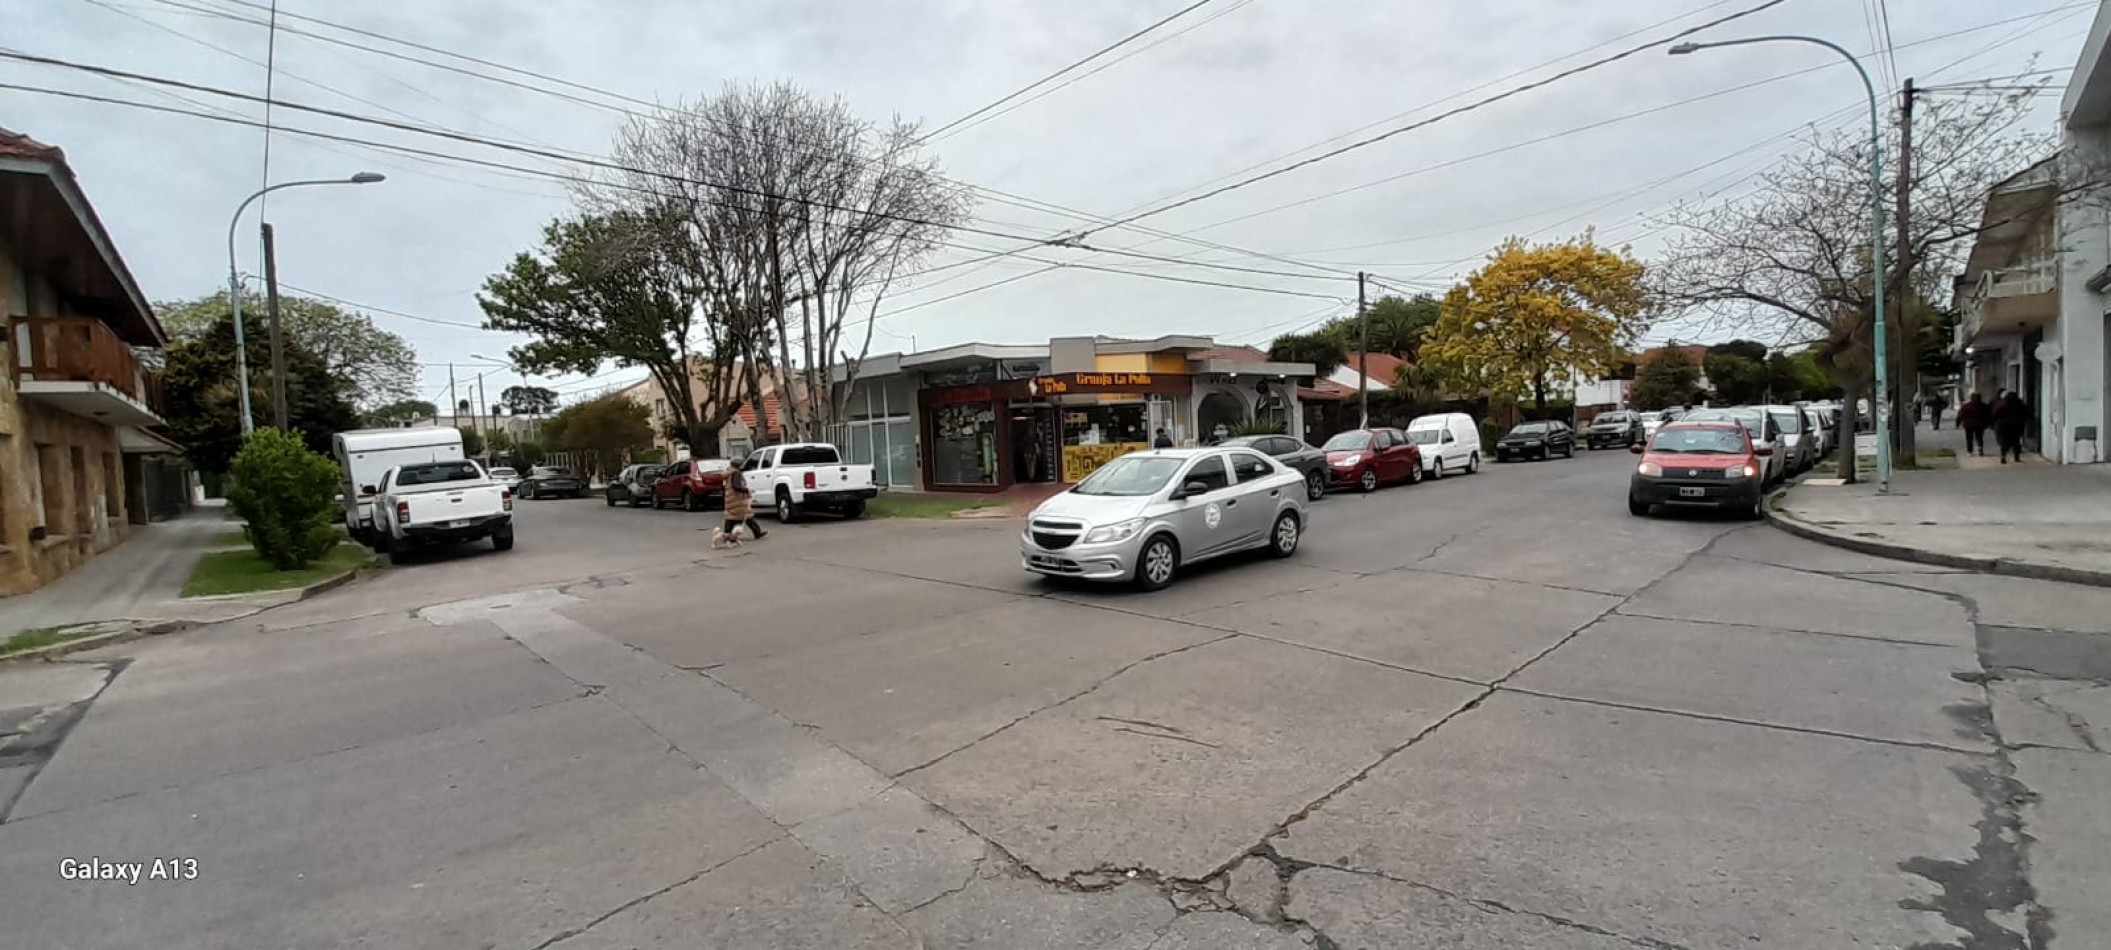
[1230, 88]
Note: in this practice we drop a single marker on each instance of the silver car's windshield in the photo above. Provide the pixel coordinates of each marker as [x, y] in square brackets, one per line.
[1790, 422]
[1425, 436]
[1130, 475]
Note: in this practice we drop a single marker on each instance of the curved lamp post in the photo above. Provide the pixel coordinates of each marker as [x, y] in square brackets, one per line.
[234, 279]
[1880, 399]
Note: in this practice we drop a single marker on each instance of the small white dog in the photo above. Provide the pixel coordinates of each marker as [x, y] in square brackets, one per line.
[720, 540]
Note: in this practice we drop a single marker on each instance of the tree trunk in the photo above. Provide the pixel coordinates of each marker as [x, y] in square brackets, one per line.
[1539, 392]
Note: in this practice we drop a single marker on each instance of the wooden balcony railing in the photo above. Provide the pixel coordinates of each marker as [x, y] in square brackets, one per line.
[77, 349]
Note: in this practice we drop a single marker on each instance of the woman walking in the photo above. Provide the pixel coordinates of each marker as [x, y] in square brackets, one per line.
[2011, 417]
[740, 510]
[1973, 417]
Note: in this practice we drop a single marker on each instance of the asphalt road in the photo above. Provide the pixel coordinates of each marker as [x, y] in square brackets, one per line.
[1494, 711]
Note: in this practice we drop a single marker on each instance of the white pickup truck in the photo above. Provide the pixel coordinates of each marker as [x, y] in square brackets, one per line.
[808, 476]
[435, 503]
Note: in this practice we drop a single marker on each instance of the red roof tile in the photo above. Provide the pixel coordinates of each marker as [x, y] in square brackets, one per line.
[16, 145]
[1383, 367]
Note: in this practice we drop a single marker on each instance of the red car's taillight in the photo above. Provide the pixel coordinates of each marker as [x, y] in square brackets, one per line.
[403, 512]
[809, 480]
[505, 499]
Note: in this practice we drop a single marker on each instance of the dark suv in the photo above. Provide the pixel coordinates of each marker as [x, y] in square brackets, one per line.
[1617, 429]
[633, 486]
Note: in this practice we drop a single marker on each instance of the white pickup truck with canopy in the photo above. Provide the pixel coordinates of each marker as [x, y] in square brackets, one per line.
[434, 503]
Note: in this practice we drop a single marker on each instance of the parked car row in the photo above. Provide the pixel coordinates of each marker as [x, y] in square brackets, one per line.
[1727, 458]
[791, 480]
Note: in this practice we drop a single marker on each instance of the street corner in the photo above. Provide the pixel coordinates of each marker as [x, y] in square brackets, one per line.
[1657, 826]
[1183, 764]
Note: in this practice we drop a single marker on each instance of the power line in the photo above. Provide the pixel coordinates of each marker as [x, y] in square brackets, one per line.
[1102, 51]
[1372, 140]
[1096, 70]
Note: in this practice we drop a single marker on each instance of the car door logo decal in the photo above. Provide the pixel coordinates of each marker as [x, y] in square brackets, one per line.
[1212, 515]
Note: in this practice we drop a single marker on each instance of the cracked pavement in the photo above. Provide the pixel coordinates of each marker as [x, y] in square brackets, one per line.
[1488, 712]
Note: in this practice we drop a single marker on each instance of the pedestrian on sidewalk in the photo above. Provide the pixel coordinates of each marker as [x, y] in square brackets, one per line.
[1935, 407]
[740, 507]
[1973, 417]
[1163, 441]
[2011, 415]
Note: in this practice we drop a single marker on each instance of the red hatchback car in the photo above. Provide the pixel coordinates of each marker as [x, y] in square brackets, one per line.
[1699, 464]
[1367, 458]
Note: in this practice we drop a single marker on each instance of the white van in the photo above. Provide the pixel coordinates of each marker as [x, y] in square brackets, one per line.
[1450, 442]
[364, 454]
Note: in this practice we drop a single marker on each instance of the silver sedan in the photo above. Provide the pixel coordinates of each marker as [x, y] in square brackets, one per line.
[1141, 517]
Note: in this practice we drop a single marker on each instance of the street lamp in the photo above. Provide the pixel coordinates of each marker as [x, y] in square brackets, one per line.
[234, 278]
[1880, 399]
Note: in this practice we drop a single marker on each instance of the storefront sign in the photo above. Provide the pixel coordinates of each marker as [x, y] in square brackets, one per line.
[1082, 460]
[979, 373]
[1021, 369]
[1070, 384]
[959, 395]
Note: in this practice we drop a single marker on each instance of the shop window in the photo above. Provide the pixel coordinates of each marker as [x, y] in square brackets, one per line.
[1096, 435]
[964, 445]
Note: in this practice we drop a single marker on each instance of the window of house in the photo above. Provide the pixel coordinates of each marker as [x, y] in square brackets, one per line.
[50, 486]
[7, 537]
[113, 488]
[83, 506]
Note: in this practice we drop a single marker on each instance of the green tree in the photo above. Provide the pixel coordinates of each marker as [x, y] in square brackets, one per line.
[1811, 378]
[1738, 371]
[284, 494]
[203, 402]
[606, 427]
[402, 412]
[528, 400]
[1398, 325]
[1319, 348]
[378, 367]
[498, 441]
[1666, 378]
[615, 287]
[472, 441]
[1536, 316]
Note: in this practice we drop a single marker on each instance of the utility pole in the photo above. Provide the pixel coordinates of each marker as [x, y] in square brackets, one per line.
[483, 428]
[1363, 351]
[278, 346]
[453, 407]
[1907, 381]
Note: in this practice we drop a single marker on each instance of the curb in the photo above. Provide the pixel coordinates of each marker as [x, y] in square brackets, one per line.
[2009, 567]
[133, 631]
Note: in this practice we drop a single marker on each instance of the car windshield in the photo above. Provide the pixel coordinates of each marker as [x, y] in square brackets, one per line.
[1747, 418]
[809, 455]
[435, 473]
[1790, 422]
[1349, 441]
[1614, 418]
[554, 472]
[1698, 441]
[1425, 436]
[1131, 475]
[1530, 428]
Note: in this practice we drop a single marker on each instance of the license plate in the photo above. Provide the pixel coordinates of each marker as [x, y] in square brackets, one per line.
[1046, 561]
[458, 524]
[1693, 493]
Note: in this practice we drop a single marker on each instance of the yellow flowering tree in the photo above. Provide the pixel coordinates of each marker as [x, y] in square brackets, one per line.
[1536, 316]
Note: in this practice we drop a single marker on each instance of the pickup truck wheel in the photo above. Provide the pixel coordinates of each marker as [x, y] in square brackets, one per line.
[612, 498]
[399, 553]
[502, 540]
[787, 512]
[854, 510]
[689, 502]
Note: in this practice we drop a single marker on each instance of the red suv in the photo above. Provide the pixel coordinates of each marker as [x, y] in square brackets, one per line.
[1699, 464]
[693, 484]
[1367, 458]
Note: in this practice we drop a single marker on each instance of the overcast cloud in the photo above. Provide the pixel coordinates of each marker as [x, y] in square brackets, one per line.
[1262, 80]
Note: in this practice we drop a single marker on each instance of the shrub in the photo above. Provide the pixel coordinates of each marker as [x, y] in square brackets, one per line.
[1260, 427]
[285, 494]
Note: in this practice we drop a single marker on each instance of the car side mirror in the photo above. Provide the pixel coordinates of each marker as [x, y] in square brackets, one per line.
[1191, 489]
[1763, 451]
[368, 489]
[1635, 448]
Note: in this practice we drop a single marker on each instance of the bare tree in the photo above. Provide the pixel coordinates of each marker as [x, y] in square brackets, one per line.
[791, 208]
[1792, 259]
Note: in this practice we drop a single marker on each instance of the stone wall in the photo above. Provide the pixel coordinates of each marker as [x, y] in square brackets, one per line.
[76, 467]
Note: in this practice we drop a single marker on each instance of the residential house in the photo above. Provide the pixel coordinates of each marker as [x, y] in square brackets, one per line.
[76, 467]
[2037, 283]
[737, 438]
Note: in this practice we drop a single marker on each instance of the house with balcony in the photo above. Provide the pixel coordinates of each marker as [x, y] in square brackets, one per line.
[2035, 289]
[75, 402]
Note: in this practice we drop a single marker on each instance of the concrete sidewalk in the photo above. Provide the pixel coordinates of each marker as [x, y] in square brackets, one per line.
[2030, 520]
[141, 579]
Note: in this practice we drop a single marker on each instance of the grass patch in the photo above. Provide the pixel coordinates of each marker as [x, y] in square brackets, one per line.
[230, 539]
[243, 572]
[42, 637]
[901, 507]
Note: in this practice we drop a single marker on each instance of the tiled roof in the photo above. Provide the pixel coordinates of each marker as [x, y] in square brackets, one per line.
[16, 145]
[1325, 390]
[1239, 354]
[1383, 367]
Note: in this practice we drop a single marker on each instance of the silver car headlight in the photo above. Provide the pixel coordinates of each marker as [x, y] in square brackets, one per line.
[1108, 534]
